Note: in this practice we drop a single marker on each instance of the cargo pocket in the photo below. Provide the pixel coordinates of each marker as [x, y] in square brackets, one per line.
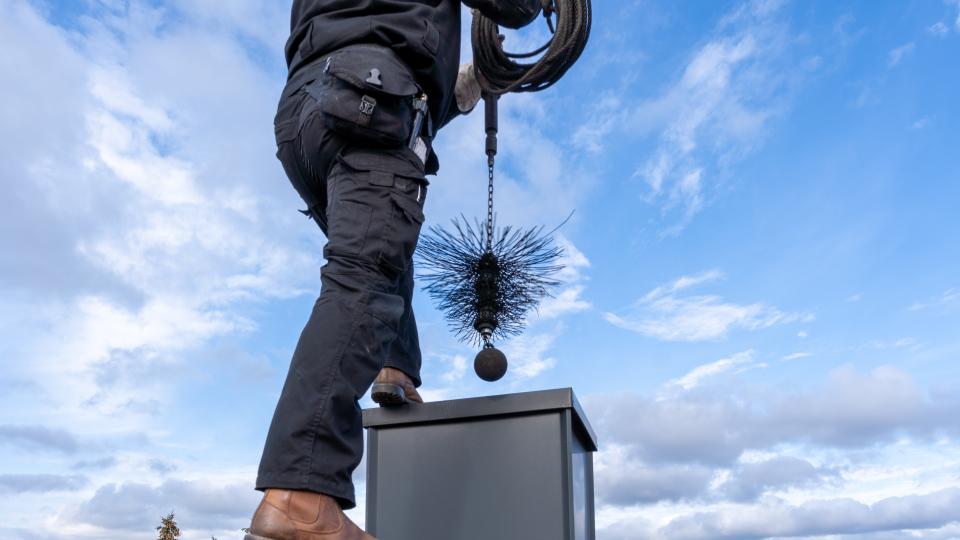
[367, 96]
[348, 214]
[396, 190]
[404, 232]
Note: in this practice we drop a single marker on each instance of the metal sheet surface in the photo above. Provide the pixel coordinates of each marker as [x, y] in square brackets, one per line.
[481, 479]
[482, 407]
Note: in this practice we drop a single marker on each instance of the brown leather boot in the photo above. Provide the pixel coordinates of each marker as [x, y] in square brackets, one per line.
[393, 387]
[285, 514]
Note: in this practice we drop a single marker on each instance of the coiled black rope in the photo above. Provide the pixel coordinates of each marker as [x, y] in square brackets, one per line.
[499, 71]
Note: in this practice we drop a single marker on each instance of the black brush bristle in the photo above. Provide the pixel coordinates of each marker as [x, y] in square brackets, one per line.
[472, 284]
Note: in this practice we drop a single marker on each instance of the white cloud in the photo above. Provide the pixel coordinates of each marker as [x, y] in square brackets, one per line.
[893, 344]
[711, 115]
[684, 282]
[18, 484]
[569, 299]
[566, 301]
[899, 53]
[199, 504]
[458, 368]
[920, 123]
[606, 114]
[574, 261]
[249, 18]
[836, 516]
[942, 28]
[747, 481]
[693, 378]
[538, 181]
[796, 356]
[174, 239]
[736, 461]
[622, 480]
[948, 298]
[159, 222]
[715, 112]
[939, 29]
[715, 425]
[38, 438]
[661, 314]
[124, 148]
[528, 354]
[437, 394]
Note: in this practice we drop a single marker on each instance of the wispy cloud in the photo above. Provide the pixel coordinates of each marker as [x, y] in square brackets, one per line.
[920, 123]
[898, 54]
[570, 297]
[458, 368]
[529, 354]
[683, 282]
[947, 298]
[716, 112]
[942, 28]
[939, 29]
[700, 373]
[900, 343]
[665, 315]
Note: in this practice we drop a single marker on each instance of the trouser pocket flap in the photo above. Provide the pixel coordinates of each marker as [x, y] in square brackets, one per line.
[364, 160]
[409, 206]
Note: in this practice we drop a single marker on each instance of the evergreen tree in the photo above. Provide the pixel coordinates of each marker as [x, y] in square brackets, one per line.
[168, 529]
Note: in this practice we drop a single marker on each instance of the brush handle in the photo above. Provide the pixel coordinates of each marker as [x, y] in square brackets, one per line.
[490, 123]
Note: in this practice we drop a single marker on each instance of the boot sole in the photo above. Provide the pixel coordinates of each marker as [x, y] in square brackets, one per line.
[387, 395]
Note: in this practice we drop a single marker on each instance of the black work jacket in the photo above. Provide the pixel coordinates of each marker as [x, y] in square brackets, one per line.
[424, 33]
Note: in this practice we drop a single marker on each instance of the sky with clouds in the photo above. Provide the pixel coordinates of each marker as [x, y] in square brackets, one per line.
[759, 310]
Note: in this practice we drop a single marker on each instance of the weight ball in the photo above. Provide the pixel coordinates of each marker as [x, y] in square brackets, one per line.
[490, 364]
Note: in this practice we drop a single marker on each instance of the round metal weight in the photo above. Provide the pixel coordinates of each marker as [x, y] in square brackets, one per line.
[490, 364]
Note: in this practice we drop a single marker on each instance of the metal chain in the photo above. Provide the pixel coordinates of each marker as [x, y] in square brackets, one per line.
[490, 205]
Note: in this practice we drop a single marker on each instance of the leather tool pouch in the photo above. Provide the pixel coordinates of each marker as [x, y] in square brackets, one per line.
[366, 94]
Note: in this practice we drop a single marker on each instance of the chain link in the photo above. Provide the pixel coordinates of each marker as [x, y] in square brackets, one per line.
[490, 205]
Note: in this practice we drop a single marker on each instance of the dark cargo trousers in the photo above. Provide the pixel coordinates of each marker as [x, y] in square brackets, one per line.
[369, 204]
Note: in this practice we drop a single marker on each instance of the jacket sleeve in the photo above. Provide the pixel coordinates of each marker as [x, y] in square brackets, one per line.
[509, 13]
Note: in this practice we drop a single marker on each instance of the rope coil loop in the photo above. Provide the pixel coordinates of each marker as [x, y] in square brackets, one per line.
[499, 71]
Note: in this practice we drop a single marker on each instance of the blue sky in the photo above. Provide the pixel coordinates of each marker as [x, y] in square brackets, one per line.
[759, 312]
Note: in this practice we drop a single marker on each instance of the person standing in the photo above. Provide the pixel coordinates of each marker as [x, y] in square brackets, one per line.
[370, 82]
